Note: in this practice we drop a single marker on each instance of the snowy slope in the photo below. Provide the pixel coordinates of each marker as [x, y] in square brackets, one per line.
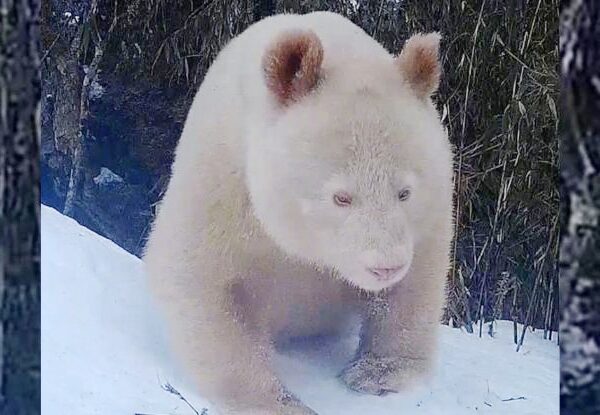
[103, 350]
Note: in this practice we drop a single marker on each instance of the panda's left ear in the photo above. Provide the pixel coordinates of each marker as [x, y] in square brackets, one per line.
[419, 63]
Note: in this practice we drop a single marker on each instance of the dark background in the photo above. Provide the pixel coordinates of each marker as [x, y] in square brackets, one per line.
[119, 76]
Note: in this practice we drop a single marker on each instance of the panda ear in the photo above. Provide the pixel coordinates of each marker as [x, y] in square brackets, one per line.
[419, 63]
[292, 64]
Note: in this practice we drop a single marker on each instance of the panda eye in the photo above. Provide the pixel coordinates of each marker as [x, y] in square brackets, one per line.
[342, 199]
[404, 194]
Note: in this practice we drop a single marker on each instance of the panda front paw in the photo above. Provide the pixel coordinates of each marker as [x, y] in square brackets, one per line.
[376, 375]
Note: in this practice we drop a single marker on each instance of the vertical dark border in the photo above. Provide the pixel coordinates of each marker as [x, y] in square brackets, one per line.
[19, 197]
[580, 207]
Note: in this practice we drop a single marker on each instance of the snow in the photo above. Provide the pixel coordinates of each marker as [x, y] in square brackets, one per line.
[72, 21]
[104, 351]
[107, 176]
[96, 89]
[595, 80]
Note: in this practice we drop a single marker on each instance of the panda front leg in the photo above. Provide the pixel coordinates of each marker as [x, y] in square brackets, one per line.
[229, 364]
[399, 334]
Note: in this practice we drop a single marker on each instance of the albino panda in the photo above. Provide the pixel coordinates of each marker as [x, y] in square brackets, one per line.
[312, 182]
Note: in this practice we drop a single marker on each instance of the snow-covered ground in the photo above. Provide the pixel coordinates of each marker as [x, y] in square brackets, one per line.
[103, 350]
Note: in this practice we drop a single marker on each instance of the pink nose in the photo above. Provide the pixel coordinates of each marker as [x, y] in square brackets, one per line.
[386, 273]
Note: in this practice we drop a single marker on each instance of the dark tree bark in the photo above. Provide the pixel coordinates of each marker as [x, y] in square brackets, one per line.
[580, 210]
[19, 197]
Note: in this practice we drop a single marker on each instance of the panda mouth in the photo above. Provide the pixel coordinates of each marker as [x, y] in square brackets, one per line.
[385, 273]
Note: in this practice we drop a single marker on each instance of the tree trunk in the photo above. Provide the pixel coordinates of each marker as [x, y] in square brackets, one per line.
[19, 197]
[580, 208]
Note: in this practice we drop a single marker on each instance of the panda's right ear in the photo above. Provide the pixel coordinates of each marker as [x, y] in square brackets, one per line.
[292, 65]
